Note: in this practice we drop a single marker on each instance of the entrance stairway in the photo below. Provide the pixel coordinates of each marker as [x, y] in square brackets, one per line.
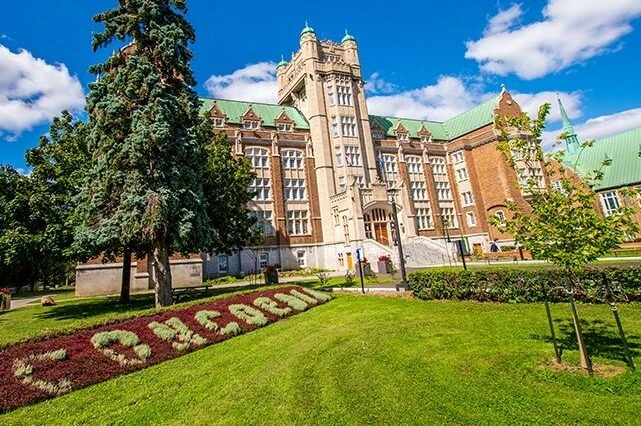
[419, 252]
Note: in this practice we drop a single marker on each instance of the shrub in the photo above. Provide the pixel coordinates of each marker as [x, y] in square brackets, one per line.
[525, 285]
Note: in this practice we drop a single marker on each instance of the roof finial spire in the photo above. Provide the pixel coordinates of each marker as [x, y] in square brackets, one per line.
[571, 140]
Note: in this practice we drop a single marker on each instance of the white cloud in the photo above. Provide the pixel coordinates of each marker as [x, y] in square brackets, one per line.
[530, 103]
[255, 82]
[376, 85]
[32, 91]
[571, 31]
[448, 97]
[607, 125]
[504, 20]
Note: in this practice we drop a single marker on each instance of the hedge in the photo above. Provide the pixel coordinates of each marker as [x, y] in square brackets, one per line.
[526, 285]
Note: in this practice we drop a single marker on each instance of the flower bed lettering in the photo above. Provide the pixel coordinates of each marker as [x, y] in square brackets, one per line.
[34, 371]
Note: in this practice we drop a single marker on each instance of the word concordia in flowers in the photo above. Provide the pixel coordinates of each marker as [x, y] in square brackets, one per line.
[35, 371]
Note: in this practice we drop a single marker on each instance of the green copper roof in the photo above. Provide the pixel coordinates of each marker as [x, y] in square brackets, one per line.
[267, 112]
[460, 125]
[623, 149]
[412, 126]
[282, 62]
[348, 37]
[307, 30]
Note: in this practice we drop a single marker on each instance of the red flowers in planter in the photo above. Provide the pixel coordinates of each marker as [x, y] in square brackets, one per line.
[384, 258]
[35, 371]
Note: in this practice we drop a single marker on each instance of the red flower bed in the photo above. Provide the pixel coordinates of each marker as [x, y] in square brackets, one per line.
[34, 371]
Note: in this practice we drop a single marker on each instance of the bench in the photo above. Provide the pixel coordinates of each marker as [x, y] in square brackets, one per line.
[497, 255]
[625, 248]
[182, 291]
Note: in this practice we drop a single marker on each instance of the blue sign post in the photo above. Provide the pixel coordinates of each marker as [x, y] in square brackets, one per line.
[360, 257]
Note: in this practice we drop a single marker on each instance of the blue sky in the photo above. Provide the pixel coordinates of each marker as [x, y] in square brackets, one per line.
[428, 60]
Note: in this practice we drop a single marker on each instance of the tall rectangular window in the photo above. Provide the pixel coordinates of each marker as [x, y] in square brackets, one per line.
[467, 198]
[294, 189]
[342, 186]
[610, 202]
[414, 164]
[223, 264]
[264, 221]
[335, 130]
[300, 256]
[338, 152]
[297, 222]
[344, 95]
[461, 174]
[292, 159]
[258, 157]
[438, 166]
[419, 191]
[348, 126]
[330, 95]
[449, 216]
[261, 187]
[263, 259]
[443, 191]
[353, 155]
[471, 219]
[423, 218]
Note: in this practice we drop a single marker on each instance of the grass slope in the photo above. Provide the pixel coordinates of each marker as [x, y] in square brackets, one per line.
[371, 360]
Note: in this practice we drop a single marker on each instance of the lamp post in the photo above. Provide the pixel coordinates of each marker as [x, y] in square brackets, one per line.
[397, 242]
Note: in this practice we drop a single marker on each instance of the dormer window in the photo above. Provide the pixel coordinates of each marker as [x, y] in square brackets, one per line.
[217, 122]
[250, 124]
[403, 136]
[377, 134]
[284, 127]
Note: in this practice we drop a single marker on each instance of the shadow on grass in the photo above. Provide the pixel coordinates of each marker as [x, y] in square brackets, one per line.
[601, 338]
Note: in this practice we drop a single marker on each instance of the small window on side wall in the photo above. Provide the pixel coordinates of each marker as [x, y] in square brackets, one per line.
[223, 264]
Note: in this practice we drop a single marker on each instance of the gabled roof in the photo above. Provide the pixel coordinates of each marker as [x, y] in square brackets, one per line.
[624, 149]
[448, 130]
[234, 110]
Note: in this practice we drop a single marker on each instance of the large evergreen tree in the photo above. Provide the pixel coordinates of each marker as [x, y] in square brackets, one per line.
[144, 187]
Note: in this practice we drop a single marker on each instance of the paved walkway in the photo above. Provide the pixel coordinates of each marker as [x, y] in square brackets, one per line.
[22, 302]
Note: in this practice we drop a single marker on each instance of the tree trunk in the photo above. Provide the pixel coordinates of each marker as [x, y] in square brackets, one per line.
[162, 273]
[585, 359]
[126, 276]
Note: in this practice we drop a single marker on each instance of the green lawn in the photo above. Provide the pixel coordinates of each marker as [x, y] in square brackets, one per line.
[375, 360]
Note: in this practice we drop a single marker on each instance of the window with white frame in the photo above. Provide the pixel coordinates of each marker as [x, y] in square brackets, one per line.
[338, 152]
[471, 219]
[261, 188]
[336, 216]
[346, 230]
[223, 264]
[500, 215]
[377, 134]
[344, 94]
[457, 157]
[330, 95]
[414, 164]
[443, 191]
[438, 165]
[342, 186]
[300, 256]
[250, 124]
[360, 180]
[389, 163]
[461, 174]
[424, 218]
[284, 127]
[297, 222]
[292, 159]
[335, 130]
[348, 126]
[264, 221]
[448, 214]
[557, 185]
[467, 198]
[263, 260]
[419, 190]
[404, 136]
[258, 157]
[217, 122]
[294, 189]
[610, 201]
[341, 259]
[353, 155]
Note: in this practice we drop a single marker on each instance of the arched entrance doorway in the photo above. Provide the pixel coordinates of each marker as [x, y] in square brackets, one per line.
[377, 225]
